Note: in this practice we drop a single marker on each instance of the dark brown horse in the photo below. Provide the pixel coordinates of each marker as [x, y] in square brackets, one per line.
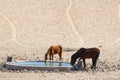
[54, 50]
[84, 53]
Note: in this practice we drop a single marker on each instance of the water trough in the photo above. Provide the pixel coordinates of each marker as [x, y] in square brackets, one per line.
[39, 65]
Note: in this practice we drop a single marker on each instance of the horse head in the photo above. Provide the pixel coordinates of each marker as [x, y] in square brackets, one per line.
[77, 55]
[73, 60]
[74, 57]
[46, 57]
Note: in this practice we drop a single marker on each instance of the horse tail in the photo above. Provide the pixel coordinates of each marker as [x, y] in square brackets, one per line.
[97, 55]
[60, 49]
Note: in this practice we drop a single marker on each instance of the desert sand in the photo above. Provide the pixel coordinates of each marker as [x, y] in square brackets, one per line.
[29, 27]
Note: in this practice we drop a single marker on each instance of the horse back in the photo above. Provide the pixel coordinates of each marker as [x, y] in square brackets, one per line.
[93, 50]
[57, 49]
[91, 53]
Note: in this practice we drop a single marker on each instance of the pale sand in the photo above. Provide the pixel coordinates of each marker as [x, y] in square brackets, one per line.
[29, 27]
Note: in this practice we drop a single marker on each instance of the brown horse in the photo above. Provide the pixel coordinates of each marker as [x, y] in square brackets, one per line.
[54, 50]
[84, 53]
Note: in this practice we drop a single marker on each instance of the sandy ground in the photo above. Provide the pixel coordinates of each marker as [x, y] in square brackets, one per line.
[107, 69]
[29, 27]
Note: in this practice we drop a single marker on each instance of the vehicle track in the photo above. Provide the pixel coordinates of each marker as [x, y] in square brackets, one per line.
[13, 31]
[71, 22]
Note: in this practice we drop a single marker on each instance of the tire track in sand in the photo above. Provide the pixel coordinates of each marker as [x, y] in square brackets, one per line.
[118, 39]
[11, 24]
[71, 22]
[119, 12]
[13, 31]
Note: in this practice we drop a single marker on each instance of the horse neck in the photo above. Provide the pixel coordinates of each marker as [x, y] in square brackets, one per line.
[76, 55]
[49, 51]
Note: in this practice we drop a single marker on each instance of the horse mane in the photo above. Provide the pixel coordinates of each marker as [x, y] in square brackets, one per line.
[80, 51]
[49, 50]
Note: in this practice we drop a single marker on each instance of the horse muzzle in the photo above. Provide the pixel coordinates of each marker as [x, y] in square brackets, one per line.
[72, 63]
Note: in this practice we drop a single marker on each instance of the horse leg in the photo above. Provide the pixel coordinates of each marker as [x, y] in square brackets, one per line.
[93, 63]
[52, 57]
[60, 52]
[95, 60]
[84, 62]
[60, 56]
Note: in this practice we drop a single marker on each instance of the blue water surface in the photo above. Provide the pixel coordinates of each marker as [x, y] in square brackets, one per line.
[42, 64]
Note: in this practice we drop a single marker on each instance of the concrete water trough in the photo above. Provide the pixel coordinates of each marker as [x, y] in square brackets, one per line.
[38, 65]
